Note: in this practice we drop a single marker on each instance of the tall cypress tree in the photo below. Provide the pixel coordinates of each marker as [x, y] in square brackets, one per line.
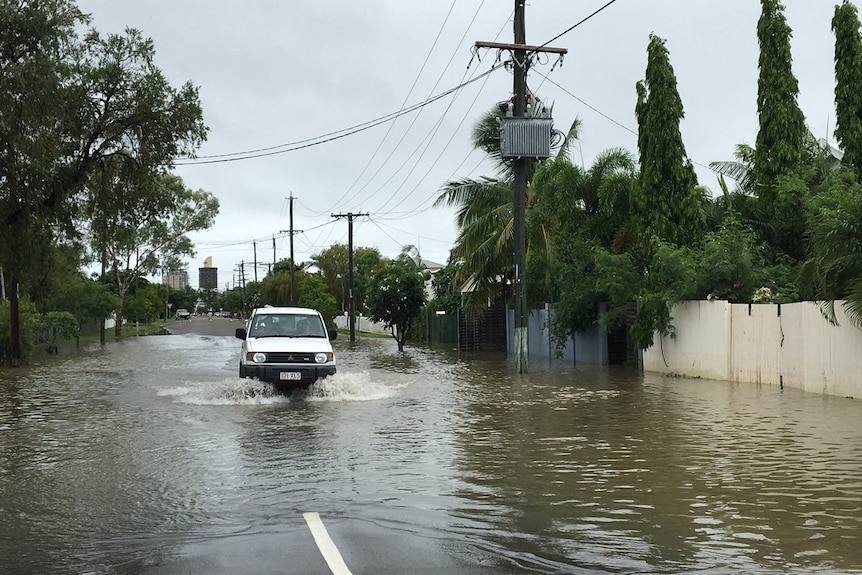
[780, 139]
[848, 80]
[666, 203]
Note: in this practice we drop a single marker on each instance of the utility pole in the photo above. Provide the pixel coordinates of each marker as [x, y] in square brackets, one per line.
[519, 192]
[351, 318]
[292, 232]
[292, 265]
[254, 244]
[521, 153]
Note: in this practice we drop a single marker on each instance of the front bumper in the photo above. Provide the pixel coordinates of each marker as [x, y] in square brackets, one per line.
[272, 373]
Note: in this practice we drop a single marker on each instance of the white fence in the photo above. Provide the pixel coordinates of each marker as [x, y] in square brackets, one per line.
[788, 345]
[362, 324]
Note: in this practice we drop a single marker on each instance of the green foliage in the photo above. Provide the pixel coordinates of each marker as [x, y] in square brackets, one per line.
[780, 139]
[671, 279]
[314, 294]
[55, 326]
[484, 243]
[88, 129]
[86, 299]
[275, 288]
[233, 302]
[333, 266]
[730, 263]
[848, 79]
[666, 203]
[619, 282]
[139, 308]
[396, 297]
[141, 232]
[833, 270]
[366, 261]
[447, 291]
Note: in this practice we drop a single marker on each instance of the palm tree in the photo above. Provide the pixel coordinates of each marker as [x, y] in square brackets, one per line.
[833, 270]
[484, 217]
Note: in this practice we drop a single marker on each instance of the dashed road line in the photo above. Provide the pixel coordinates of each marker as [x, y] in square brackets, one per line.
[327, 548]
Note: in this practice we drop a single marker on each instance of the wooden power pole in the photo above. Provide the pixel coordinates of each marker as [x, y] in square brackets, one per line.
[521, 54]
[351, 318]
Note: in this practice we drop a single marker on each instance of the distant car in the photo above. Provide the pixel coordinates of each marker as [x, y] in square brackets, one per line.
[288, 347]
[183, 313]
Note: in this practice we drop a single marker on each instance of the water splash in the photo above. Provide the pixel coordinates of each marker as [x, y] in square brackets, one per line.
[351, 387]
[231, 391]
[235, 391]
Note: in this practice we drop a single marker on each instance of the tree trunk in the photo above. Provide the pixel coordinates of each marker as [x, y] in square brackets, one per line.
[118, 319]
[121, 294]
[14, 321]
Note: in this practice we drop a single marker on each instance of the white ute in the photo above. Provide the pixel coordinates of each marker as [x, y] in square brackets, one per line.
[288, 347]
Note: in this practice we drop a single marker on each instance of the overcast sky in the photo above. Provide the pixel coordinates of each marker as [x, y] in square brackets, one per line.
[274, 72]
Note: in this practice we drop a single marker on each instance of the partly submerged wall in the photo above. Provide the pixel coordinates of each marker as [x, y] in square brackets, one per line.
[788, 345]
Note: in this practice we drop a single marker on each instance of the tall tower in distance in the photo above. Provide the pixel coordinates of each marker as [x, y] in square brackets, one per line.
[208, 275]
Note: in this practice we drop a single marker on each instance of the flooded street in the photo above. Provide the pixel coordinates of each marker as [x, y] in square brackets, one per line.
[151, 456]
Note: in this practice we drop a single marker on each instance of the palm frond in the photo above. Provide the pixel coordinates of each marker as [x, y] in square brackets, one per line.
[737, 171]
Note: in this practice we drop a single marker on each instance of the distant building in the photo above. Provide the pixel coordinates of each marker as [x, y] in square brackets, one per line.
[177, 279]
[208, 275]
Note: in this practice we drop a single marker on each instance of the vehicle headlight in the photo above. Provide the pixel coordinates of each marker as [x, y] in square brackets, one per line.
[322, 357]
[259, 357]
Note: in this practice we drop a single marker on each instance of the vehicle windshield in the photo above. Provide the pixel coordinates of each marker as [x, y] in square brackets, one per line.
[286, 325]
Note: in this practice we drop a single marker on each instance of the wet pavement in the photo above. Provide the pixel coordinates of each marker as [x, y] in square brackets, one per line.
[150, 455]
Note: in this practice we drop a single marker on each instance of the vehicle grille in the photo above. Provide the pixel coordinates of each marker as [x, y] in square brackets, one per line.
[273, 357]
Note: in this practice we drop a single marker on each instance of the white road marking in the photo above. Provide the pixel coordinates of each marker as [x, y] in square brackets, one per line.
[324, 543]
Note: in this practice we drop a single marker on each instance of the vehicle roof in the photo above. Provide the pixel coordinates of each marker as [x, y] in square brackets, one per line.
[286, 310]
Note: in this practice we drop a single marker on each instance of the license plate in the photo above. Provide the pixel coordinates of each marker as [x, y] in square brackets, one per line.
[289, 375]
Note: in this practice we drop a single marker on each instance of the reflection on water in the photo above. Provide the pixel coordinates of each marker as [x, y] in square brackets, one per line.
[111, 457]
[667, 474]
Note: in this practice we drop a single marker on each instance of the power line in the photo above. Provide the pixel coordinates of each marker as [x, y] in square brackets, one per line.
[392, 125]
[331, 136]
[564, 32]
[596, 110]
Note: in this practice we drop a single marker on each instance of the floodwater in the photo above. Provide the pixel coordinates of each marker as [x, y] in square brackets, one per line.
[151, 456]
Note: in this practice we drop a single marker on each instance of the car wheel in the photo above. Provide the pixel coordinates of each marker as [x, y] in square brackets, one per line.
[241, 370]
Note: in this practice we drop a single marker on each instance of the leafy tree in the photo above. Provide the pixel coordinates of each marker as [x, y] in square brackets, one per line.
[38, 44]
[139, 308]
[671, 280]
[667, 203]
[396, 296]
[780, 139]
[586, 214]
[366, 262]
[183, 299]
[485, 222]
[55, 326]
[143, 223]
[848, 79]
[730, 263]
[253, 295]
[314, 294]
[232, 301]
[275, 287]
[447, 291]
[84, 298]
[70, 104]
[332, 263]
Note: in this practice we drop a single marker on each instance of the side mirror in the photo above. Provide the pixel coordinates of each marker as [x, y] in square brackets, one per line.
[333, 333]
[240, 333]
